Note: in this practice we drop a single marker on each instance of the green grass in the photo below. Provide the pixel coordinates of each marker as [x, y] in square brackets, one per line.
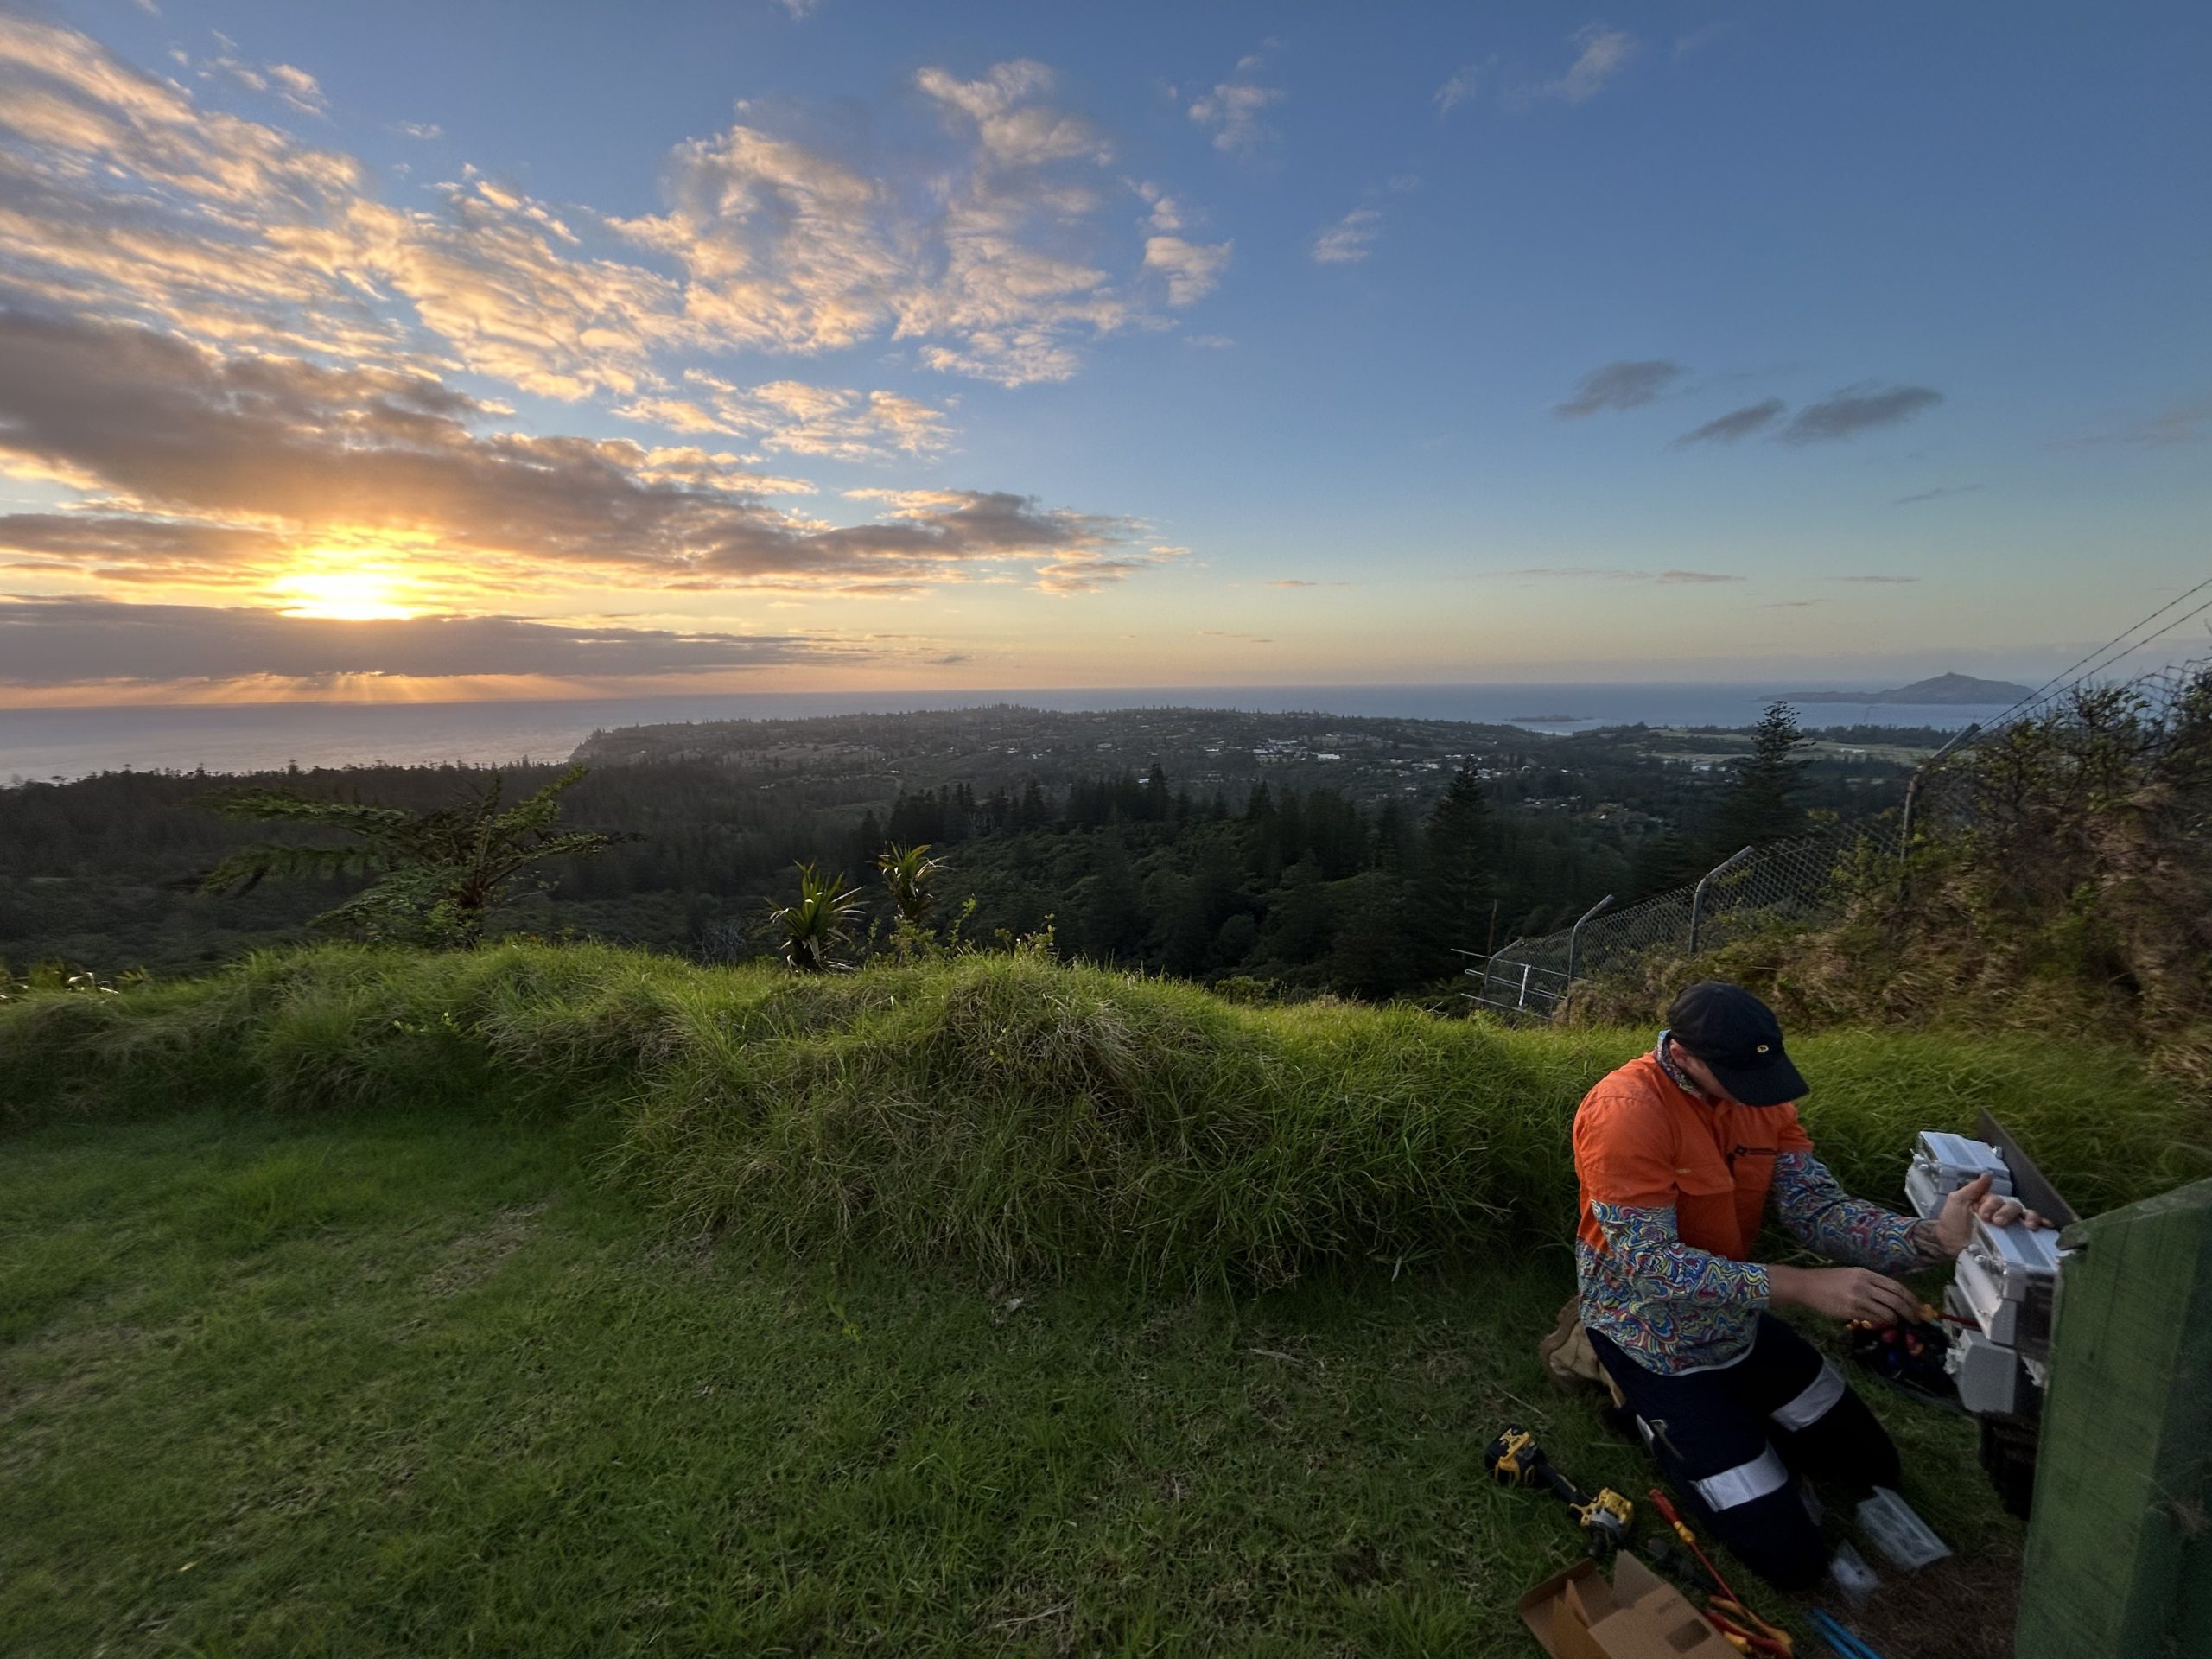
[413, 1384]
[581, 1301]
[1011, 1118]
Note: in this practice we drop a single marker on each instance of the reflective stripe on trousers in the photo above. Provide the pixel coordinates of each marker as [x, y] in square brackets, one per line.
[1815, 1402]
[1746, 1484]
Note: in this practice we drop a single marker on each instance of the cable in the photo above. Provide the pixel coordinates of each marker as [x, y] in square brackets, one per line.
[2065, 673]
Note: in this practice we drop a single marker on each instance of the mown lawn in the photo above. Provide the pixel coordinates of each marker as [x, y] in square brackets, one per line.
[397, 1384]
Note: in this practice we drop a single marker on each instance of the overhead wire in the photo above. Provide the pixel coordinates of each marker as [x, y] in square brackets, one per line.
[2071, 675]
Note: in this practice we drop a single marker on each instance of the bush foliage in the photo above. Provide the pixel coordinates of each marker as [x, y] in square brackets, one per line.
[1017, 1117]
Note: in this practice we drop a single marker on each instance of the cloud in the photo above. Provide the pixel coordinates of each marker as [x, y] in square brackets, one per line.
[2187, 422]
[1600, 53]
[800, 418]
[284, 82]
[799, 10]
[1300, 581]
[1790, 604]
[1736, 424]
[1350, 239]
[1858, 409]
[1698, 39]
[1877, 579]
[1465, 81]
[1193, 269]
[1232, 109]
[75, 641]
[1591, 573]
[426, 130]
[1936, 494]
[1016, 130]
[1248, 639]
[989, 254]
[236, 466]
[1626, 385]
[1209, 342]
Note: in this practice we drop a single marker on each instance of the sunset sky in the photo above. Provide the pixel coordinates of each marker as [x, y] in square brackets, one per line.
[471, 350]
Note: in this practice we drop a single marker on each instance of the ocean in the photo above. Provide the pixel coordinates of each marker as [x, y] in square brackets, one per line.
[64, 743]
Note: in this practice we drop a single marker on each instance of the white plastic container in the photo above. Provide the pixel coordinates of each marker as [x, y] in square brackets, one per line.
[1944, 1163]
[1903, 1539]
[2007, 1275]
[1990, 1377]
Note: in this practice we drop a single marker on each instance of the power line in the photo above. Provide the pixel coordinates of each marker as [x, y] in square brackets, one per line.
[2065, 674]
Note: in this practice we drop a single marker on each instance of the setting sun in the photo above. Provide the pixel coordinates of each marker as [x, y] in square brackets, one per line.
[358, 594]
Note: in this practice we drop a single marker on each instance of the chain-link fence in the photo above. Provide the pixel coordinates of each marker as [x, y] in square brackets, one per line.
[1794, 880]
[1785, 881]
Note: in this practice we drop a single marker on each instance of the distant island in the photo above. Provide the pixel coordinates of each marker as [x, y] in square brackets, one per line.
[1952, 688]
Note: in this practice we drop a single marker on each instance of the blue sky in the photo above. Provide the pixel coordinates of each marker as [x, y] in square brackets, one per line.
[502, 350]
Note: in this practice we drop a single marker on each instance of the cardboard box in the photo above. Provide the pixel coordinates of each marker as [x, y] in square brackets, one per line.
[1577, 1615]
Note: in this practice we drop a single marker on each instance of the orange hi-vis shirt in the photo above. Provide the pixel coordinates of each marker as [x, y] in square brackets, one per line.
[1643, 1142]
[1674, 1187]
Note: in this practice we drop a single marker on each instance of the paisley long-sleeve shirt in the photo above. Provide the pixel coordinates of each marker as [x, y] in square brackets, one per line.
[1674, 1187]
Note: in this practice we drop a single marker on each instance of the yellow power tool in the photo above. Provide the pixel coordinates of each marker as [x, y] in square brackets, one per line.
[1515, 1459]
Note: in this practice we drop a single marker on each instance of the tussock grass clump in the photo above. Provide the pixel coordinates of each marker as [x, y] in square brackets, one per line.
[1023, 1118]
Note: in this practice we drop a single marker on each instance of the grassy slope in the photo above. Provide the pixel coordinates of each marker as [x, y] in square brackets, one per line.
[378, 1359]
[417, 1385]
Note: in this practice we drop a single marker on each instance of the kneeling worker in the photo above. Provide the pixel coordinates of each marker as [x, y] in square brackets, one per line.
[1680, 1152]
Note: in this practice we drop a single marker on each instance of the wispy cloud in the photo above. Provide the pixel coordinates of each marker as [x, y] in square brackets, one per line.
[1736, 424]
[1594, 573]
[1247, 638]
[1936, 494]
[1016, 127]
[1863, 407]
[1600, 53]
[1464, 83]
[800, 418]
[131, 199]
[1698, 39]
[222, 471]
[286, 82]
[1350, 239]
[1193, 269]
[1882, 580]
[2185, 423]
[1625, 384]
[49, 642]
[1233, 110]
[426, 130]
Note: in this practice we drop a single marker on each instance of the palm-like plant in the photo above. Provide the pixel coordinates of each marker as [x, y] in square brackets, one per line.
[439, 873]
[910, 877]
[810, 932]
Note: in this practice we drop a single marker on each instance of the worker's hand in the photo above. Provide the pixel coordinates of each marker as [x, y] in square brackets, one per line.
[1954, 1222]
[1845, 1294]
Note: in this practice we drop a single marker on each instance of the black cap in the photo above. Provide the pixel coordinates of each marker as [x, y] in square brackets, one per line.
[1737, 1036]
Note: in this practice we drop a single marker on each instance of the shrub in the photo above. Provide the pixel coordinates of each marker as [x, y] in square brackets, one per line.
[1024, 1118]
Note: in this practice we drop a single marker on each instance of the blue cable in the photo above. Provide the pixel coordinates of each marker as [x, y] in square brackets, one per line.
[1832, 1632]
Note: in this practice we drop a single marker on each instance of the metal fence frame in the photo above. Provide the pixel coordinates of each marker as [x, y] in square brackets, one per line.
[1784, 882]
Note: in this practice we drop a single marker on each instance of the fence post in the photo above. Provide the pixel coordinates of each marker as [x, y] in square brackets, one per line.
[1912, 785]
[2119, 1558]
[1575, 938]
[1697, 899]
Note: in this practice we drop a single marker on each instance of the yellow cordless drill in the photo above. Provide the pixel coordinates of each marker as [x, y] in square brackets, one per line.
[1515, 1459]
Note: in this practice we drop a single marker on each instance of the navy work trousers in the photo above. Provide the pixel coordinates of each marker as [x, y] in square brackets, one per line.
[1733, 1438]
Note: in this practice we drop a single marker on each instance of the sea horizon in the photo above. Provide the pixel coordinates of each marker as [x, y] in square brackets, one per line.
[46, 744]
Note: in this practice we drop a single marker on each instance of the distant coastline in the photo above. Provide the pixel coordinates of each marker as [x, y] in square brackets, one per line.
[1944, 691]
[46, 743]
